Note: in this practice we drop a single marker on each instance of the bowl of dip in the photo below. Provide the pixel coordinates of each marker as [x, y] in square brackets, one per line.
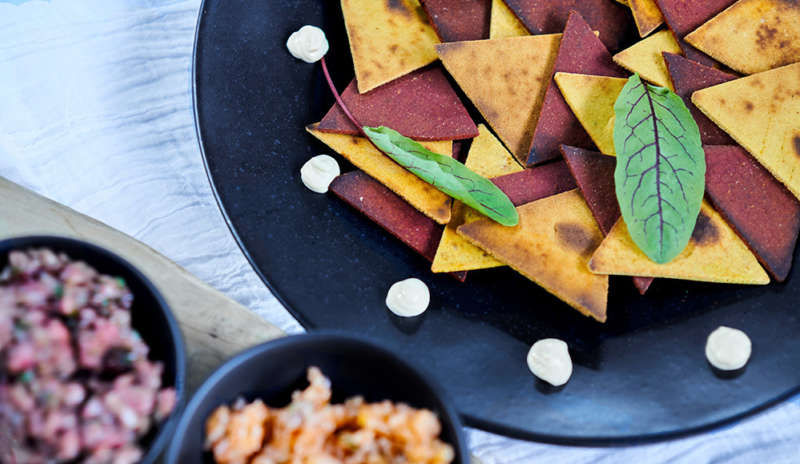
[301, 382]
[92, 361]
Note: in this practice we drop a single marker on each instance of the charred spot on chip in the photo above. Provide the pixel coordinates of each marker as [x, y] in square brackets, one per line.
[748, 106]
[796, 141]
[766, 35]
[705, 232]
[576, 238]
[397, 5]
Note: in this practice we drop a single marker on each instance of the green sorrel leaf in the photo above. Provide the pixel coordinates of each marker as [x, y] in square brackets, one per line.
[661, 168]
[446, 174]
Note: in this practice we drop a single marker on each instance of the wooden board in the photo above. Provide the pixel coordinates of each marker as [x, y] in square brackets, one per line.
[214, 326]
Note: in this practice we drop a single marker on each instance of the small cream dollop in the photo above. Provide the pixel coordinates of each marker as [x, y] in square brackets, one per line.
[408, 298]
[549, 360]
[318, 173]
[728, 349]
[308, 44]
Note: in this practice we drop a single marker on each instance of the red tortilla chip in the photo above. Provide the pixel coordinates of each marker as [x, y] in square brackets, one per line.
[421, 105]
[611, 19]
[760, 209]
[535, 183]
[684, 16]
[391, 212]
[457, 20]
[594, 174]
[689, 76]
[581, 52]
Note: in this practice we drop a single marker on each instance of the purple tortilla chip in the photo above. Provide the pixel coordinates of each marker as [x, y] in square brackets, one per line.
[392, 213]
[689, 76]
[421, 105]
[457, 20]
[684, 16]
[581, 52]
[536, 183]
[612, 20]
[594, 174]
[761, 210]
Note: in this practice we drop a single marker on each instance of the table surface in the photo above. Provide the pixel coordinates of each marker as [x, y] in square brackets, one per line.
[96, 113]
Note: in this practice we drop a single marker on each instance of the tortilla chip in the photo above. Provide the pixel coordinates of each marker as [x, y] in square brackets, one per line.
[457, 20]
[714, 254]
[580, 52]
[503, 22]
[762, 113]
[489, 158]
[752, 35]
[764, 214]
[506, 80]
[421, 105]
[550, 16]
[420, 194]
[388, 39]
[688, 77]
[536, 183]
[551, 246]
[594, 174]
[647, 16]
[645, 57]
[684, 16]
[592, 99]
[389, 211]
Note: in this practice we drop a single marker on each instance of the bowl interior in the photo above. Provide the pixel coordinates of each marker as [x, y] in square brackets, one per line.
[274, 370]
[150, 315]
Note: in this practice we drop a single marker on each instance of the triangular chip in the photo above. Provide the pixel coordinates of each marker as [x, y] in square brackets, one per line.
[503, 22]
[752, 35]
[762, 113]
[390, 212]
[551, 245]
[592, 99]
[688, 77]
[550, 16]
[684, 16]
[457, 20]
[420, 194]
[580, 52]
[594, 174]
[759, 208]
[536, 183]
[714, 254]
[387, 39]
[489, 158]
[421, 105]
[645, 57]
[506, 80]
[647, 16]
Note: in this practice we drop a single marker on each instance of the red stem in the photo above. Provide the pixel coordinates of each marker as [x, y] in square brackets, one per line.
[338, 97]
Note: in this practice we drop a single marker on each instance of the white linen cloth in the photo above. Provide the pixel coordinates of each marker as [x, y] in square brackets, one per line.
[96, 113]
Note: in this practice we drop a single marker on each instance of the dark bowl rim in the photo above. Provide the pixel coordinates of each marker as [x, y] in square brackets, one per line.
[167, 427]
[448, 412]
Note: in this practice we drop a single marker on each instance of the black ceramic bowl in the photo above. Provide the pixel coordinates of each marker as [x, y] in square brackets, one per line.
[151, 317]
[273, 370]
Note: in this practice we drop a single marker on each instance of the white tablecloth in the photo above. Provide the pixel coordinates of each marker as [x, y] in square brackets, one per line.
[96, 113]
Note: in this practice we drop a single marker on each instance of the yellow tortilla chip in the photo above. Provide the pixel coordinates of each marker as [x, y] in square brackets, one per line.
[418, 193]
[762, 113]
[489, 158]
[592, 100]
[647, 16]
[752, 36]
[551, 246]
[644, 57]
[388, 39]
[506, 80]
[714, 254]
[503, 23]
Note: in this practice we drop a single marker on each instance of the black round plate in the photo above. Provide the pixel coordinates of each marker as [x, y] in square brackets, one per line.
[642, 376]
